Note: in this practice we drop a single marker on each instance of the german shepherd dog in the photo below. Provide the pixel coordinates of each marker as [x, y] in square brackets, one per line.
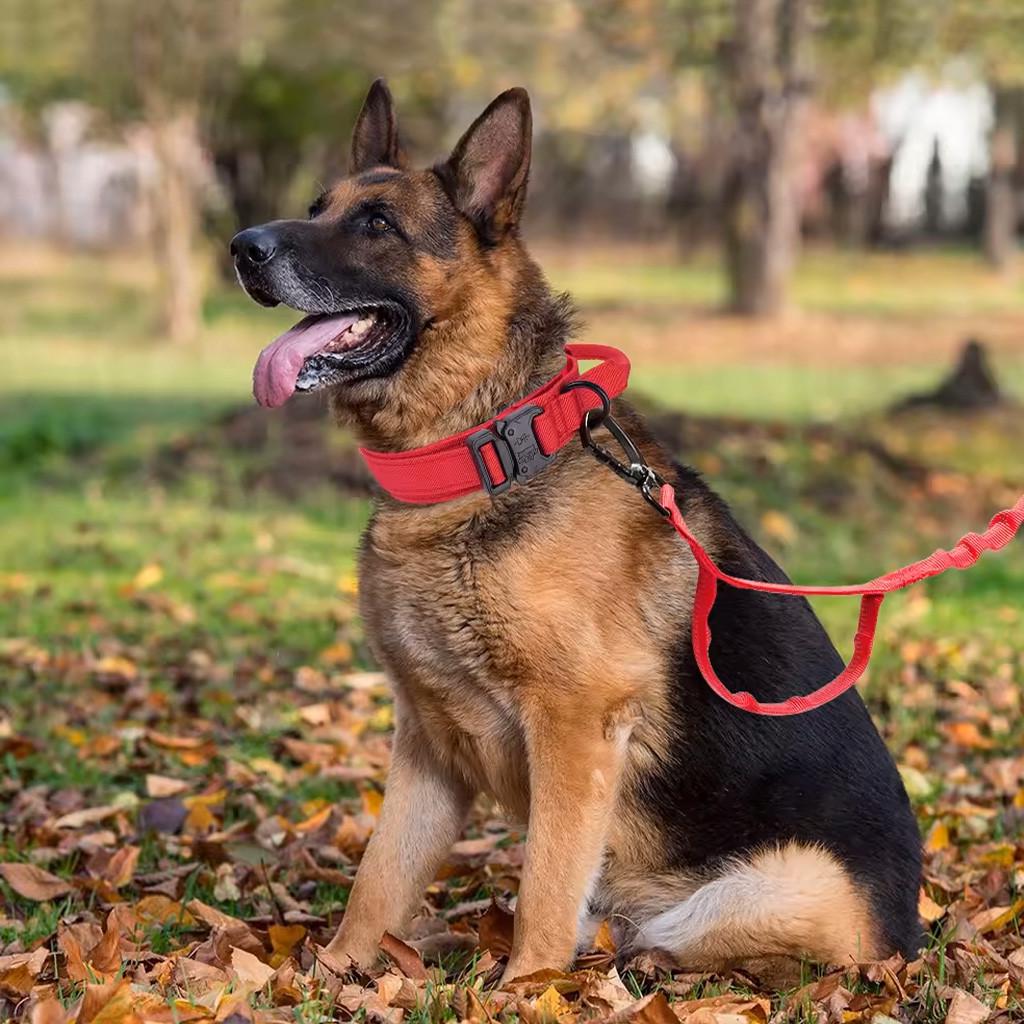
[538, 641]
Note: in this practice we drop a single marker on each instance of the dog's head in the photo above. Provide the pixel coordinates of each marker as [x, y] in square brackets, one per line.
[408, 277]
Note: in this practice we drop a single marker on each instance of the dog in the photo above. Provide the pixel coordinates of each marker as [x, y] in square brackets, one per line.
[538, 640]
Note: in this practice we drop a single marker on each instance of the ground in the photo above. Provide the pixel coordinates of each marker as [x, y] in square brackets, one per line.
[193, 742]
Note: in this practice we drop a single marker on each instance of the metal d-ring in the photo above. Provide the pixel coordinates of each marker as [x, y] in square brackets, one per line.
[606, 408]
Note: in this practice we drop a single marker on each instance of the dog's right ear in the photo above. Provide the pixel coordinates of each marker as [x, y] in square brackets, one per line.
[375, 136]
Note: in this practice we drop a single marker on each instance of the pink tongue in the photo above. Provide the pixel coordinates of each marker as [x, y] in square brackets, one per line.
[277, 369]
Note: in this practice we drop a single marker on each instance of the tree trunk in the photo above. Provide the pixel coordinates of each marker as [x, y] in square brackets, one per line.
[999, 233]
[766, 70]
[176, 222]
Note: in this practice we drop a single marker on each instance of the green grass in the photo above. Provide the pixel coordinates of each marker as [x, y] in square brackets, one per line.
[215, 598]
[793, 392]
[88, 395]
[260, 567]
[845, 282]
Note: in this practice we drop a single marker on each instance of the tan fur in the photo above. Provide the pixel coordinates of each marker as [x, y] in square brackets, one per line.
[526, 676]
[793, 901]
[535, 669]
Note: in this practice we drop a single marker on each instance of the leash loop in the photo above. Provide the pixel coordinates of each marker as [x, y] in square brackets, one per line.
[606, 404]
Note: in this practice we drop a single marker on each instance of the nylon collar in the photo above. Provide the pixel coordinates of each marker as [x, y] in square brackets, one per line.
[513, 446]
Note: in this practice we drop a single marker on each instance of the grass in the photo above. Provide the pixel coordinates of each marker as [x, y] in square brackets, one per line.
[849, 283]
[793, 392]
[201, 596]
[83, 375]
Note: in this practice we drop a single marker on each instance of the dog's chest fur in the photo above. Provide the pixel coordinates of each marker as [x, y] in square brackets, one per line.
[435, 626]
[479, 624]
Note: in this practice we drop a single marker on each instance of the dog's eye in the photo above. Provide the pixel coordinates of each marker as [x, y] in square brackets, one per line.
[379, 224]
[318, 206]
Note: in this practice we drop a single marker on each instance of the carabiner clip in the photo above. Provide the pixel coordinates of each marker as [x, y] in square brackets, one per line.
[636, 471]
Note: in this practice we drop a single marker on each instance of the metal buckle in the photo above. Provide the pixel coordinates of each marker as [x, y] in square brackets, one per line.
[516, 446]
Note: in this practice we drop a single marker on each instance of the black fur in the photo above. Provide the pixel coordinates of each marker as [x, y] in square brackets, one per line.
[737, 782]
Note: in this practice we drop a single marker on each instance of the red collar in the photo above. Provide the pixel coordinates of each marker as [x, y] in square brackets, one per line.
[511, 447]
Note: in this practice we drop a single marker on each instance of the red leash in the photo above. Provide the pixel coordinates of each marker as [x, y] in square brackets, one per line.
[1001, 530]
[515, 445]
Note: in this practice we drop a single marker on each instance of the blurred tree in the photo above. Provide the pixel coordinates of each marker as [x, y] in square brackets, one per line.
[934, 195]
[264, 126]
[999, 230]
[286, 100]
[765, 63]
[149, 63]
[991, 35]
[269, 88]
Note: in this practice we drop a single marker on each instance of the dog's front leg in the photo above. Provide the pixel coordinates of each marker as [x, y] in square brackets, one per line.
[576, 758]
[422, 815]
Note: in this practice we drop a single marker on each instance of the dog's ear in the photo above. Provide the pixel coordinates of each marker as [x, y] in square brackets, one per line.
[488, 169]
[375, 136]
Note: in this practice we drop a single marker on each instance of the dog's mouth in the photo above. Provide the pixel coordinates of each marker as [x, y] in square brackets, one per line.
[328, 348]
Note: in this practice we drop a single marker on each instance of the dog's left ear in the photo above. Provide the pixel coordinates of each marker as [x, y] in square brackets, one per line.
[375, 136]
[488, 169]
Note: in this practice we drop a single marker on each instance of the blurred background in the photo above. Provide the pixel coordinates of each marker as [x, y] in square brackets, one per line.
[800, 218]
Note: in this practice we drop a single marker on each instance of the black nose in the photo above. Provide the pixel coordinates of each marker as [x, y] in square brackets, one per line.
[257, 245]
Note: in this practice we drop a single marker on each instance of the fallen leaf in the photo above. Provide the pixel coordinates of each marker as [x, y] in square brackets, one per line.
[778, 527]
[928, 909]
[937, 838]
[967, 735]
[87, 816]
[373, 800]
[33, 883]
[113, 668]
[606, 992]
[109, 1002]
[120, 868]
[966, 1009]
[158, 909]
[652, 1009]
[211, 915]
[283, 939]
[250, 969]
[225, 887]
[148, 576]
[335, 964]
[163, 816]
[103, 960]
[169, 742]
[404, 956]
[48, 1011]
[550, 1004]
[160, 786]
[496, 928]
[337, 654]
[993, 918]
[19, 971]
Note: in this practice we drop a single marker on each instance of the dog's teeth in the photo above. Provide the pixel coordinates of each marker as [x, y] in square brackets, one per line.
[360, 327]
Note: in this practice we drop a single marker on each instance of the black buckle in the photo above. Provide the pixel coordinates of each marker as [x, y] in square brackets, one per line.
[516, 446]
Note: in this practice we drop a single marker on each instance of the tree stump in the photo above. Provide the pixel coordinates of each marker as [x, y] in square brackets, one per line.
[971, 385]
